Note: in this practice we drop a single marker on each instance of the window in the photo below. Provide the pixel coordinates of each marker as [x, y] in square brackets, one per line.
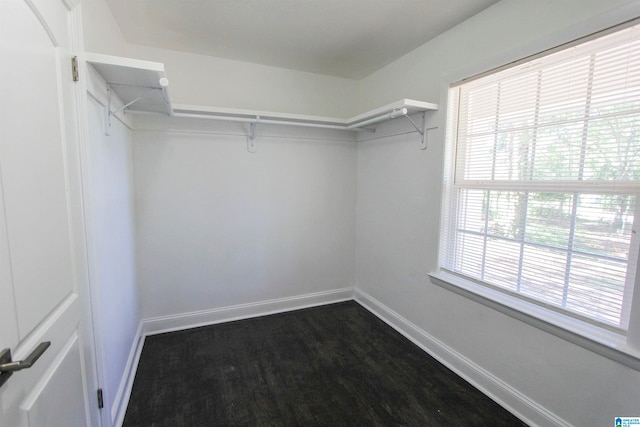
[543, 188]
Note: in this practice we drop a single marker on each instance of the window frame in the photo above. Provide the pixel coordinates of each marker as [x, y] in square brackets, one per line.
[623, 347]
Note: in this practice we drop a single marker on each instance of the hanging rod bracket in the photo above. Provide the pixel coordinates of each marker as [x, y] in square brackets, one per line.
[107, 121]
[397, 112]
[423, 131]
[419, 130]
[117, 110]
[163, 82]
[251, 139]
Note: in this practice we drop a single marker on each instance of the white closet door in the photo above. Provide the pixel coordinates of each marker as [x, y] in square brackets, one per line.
[42, 250]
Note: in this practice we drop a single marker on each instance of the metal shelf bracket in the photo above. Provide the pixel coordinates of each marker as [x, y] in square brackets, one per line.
[251, 138]
[163, 82]
[423, 130]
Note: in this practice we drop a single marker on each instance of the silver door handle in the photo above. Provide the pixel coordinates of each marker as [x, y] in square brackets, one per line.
[26, 363]
[8, 367]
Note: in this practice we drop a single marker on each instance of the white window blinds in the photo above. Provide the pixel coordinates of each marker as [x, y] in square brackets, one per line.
[546, 179]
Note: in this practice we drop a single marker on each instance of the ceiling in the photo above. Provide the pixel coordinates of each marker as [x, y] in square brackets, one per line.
[344, 38]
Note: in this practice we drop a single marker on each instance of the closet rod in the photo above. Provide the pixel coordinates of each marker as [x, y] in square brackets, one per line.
[390, 115]
[262, 121]
[359, 126]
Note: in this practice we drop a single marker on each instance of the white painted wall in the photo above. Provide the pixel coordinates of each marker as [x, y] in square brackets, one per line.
[111, 234]
[218, 226]
[398, 217]
[204, 80]
[100, 30]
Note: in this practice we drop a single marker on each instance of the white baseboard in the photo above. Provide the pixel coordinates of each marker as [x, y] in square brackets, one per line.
[502, 393]
[121, 400]
[511, 399]
[157, 325]
[183, 321]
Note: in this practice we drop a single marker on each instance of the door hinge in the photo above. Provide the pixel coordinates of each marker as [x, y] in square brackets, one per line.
[100, 399]
[74, 69]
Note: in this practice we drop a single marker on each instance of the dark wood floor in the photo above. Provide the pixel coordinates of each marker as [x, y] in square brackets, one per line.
[336, 365]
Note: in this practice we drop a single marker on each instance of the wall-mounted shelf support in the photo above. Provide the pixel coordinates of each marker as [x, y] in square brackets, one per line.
[122, 108]
[251, 139]
[421, 130]
[398, 112]
[401, 108]
[128, 104]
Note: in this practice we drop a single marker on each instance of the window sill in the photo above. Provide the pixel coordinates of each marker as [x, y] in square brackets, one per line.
[600, 341]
